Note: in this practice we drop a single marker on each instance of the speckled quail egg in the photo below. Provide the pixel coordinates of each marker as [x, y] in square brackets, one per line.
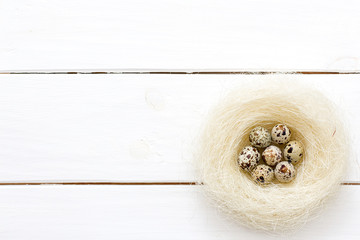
[272, 155]
[293, 152]
[280, 134]
[260, 137]
[249, 158]
[285, 172]
[262, 174]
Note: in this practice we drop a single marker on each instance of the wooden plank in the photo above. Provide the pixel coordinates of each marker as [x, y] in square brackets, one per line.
[150, 212]
[125, 128]
[182, 34]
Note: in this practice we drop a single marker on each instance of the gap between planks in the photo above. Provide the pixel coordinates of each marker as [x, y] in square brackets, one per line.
[125, 183]
[213, 72]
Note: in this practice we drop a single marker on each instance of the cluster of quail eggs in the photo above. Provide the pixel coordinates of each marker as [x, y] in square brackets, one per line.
[278, 163]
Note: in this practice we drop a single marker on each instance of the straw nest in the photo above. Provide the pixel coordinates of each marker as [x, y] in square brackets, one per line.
[276, 207]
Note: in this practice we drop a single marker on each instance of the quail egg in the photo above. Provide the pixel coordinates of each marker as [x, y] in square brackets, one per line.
[280, 134]
[272, 155]
[260, 137]
[262, 174]
[293, 152]
[285, 172]
[248, 158]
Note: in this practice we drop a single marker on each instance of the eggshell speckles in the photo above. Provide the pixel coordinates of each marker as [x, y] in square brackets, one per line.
[280, 134]
[285, 172]
[260, 137]
[272, 155]
[248, 158]
[293, 152]
[263, 174]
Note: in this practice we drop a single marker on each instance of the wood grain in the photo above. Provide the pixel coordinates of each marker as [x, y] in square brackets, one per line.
[125, 128]
[146, 212]
[182, 34]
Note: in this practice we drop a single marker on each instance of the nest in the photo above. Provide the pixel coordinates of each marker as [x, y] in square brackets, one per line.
[276, 207]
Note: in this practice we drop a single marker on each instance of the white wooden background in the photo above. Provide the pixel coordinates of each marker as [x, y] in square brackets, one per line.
[109, 156]
[179, 34]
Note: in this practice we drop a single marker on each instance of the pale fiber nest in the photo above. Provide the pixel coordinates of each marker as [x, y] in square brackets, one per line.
[276, 207]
